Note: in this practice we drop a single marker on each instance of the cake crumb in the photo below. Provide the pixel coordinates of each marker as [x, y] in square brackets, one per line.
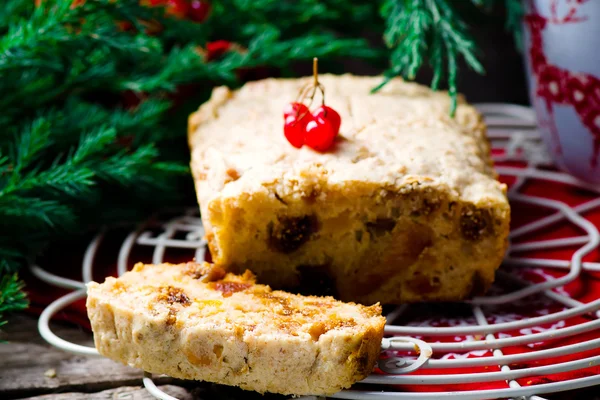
[50, 373]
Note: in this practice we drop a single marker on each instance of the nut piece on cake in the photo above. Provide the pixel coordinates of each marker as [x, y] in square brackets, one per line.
[404, 207]
[195, 321]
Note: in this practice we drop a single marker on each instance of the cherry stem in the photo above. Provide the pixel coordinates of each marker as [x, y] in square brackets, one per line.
[310, 89]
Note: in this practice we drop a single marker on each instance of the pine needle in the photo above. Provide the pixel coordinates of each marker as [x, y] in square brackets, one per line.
[514, 19]
[12, 298]
[417, 30]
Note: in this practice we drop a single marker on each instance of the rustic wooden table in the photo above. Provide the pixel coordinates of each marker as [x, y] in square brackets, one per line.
[32, 369]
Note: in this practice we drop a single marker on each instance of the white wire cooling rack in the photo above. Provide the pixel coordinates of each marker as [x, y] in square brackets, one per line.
[485, 346]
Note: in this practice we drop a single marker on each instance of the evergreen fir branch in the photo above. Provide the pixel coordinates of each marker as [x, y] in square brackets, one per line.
[125, 168]
[416, 29]
[46, 26]
[12, 11]
[263, 13]
[171, 168]
[305, 48]
[406, 32]
[5, 167]
[146, 116]
[514, 19]
[9, 257]
[71, 176]
[143, 123]
[17, 89]
[144, 19]
[181, 65]
[34, 44]
[12, 298]
[293, 18]
[29, 144]
[93, 143]
[72, 118]
[457, 43]
[436, 62]
[65, 179]
[34, 212]
[95, 159]
[76, 116]
[155, 71]
[266, 49]
[186, 64]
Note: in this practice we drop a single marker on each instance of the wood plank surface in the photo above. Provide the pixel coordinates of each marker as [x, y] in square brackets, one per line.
[122, 393]
[26, 359]
[30, 368]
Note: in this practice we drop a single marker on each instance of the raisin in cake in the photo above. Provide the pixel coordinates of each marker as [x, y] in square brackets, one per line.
[194, 321]
[405, 207]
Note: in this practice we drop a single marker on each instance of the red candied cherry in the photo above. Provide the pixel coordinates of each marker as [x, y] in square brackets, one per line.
[296, 116]
[295, 109]
[319, 134]
[199, 10]
[294, 130]
[329, 114]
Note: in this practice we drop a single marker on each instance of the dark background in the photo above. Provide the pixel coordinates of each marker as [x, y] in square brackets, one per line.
[504, 79]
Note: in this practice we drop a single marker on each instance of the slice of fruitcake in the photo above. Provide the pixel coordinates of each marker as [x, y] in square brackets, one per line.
[195, 321]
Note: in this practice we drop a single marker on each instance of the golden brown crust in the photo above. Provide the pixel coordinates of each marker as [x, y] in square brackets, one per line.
[194, 321]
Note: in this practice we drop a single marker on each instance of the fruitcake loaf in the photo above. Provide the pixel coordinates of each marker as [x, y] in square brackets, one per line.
[405, 207]
[195, 321]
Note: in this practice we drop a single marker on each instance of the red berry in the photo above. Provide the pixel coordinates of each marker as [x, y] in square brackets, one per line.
[124, 26]
[294, 130]
[319, 134]
[199, 10]
[178, 8]
[295, 109]
[330, 114]
[216, 49]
